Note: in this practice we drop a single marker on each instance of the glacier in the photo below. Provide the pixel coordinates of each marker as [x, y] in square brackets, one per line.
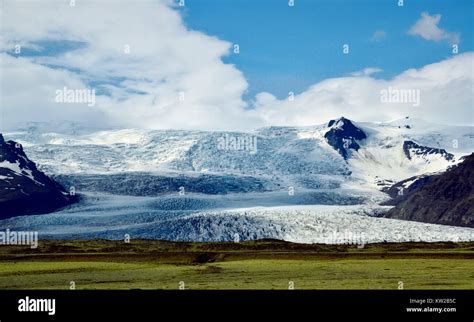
[209, 218]
[179, 185]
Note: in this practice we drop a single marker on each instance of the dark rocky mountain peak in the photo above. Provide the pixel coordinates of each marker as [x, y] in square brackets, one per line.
[25, 190]
[343, 136]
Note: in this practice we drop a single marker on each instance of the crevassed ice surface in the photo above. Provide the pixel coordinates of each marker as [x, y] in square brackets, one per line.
[292, 186]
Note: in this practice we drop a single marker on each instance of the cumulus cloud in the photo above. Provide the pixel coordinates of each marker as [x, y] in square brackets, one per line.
[151, 71]
[157, 72]
[28, 93]
[446, 96]
[427, 28]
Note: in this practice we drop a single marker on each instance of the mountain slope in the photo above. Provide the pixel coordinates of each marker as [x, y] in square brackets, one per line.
[446, 198]
[24, 190]
[401, 149]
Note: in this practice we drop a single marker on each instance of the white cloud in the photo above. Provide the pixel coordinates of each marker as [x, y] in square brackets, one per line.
[28, 93]
[166, 58]
[446, 96]
[427, 28]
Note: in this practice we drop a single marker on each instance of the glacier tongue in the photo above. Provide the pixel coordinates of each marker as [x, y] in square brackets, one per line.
[111, 217]
[288, 184]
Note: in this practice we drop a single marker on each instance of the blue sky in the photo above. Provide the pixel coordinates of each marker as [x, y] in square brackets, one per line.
[286, 48]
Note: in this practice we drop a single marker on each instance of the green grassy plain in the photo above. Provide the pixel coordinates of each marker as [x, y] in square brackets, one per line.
[268, 264]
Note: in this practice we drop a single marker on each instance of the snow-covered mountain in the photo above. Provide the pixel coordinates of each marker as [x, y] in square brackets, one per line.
[371, 154]
[342, 164]
[398, 150]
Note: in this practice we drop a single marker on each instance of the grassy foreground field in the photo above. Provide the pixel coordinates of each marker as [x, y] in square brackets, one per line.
[267, 264]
